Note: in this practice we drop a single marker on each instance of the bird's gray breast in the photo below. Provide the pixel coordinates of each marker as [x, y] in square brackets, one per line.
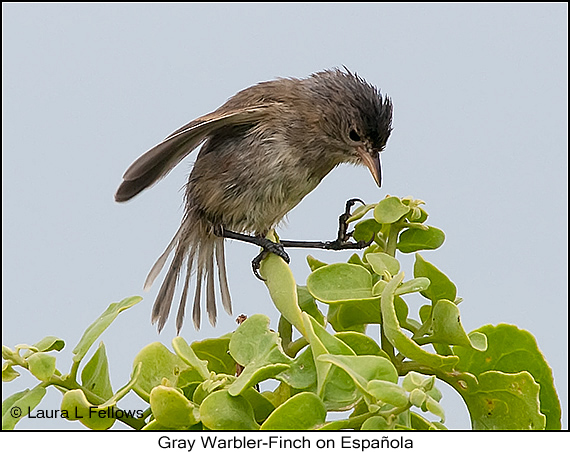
[248, 184]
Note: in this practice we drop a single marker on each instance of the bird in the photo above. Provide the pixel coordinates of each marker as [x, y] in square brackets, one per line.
[261, 153]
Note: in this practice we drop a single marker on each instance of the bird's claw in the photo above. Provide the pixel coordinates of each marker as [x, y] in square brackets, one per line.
[269, 247]
[256, 263]
[343, 235]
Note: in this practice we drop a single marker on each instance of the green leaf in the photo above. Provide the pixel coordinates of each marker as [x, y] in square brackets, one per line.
[157, 364]
[390, 210]
[187, 354]
[503, 401]
[478, 341]
[76, 407]
[418, 422]
[7, 352]
[282, 288]
[434, 393]
[41, 365]
[304, 411]
[98, 326]
[355, 259]
[334, 386]
[360, 211]
[258, 349]
[413, 285]
[433, 407]
[47, 344]
[302, 372]
[513, 350]
[425, 313]
[215, 352]
[402, 311]
[365, 368]
[388, 392]
[413, 380]
[340, 282]
[447, 327]
[419, 215]
[353, 316]
[366, 230]
[442, 349]
[361, 344]
[403, 343]
[440, 285]
[307, 304]
[213, 383]
[171, 409]
[10, 400]
[18, 405]
[8, 372]
[416, 239]
[187, 382]
[314, 263]
[417, 397]
[339, 393]
[154, 425]
[95, 374]
[221, 411]
[429, 384]
[261, 405]
[281, 394]
[122, 392]
[383, 263]
[375, 423]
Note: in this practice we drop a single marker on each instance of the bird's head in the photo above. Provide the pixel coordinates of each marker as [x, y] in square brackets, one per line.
[354, 115]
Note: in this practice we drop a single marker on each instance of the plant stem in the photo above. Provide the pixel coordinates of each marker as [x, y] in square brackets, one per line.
[285, 330]
[295, 346]
[392, 239]
[391, 242]
[387, 346]
[394, 411]
[74, 370]
[457, 380]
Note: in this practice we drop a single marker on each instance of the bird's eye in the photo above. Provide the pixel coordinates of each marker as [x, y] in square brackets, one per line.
[353, 135]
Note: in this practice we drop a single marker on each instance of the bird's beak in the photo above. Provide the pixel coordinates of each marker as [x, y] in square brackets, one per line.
[372, 160]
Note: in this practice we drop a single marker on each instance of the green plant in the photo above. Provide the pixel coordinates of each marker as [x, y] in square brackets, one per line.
[331, 366]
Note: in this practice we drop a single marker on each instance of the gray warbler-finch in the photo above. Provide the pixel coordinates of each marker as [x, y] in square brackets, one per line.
[263, 151]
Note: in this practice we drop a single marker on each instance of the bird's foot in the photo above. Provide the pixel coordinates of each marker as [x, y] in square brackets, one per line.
[343, 237]
[268, 247]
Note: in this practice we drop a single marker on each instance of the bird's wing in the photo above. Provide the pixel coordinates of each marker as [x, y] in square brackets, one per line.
[156, 163]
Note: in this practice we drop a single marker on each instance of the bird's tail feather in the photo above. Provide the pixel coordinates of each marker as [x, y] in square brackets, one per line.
[222, 275]
[194, 248]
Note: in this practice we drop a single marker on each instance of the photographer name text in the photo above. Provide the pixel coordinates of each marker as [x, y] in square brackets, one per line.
[93, 412]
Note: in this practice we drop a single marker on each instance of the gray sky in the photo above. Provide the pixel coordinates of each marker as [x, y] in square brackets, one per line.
[480, 134]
